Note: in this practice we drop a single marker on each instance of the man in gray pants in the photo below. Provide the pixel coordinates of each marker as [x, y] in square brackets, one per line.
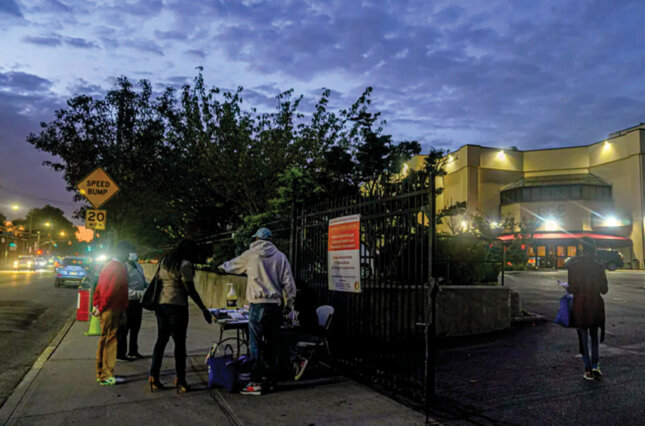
[136, 286]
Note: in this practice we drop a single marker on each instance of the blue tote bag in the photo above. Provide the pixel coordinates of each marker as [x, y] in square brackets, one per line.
[224, 370]
[563, 317]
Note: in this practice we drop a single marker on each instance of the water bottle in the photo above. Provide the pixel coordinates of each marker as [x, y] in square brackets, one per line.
[231, 296]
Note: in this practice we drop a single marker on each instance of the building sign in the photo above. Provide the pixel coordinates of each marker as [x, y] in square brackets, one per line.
[95, 219]
[343, 254]
[97, 187]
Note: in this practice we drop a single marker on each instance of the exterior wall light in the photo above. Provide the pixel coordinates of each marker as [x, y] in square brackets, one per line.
[450, 159]
[501, 155]
[405, 169]
[611, 221]
[494, 224]
[551, 225]
[464, 225]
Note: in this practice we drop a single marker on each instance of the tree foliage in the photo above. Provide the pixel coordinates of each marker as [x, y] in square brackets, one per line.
[197, 161]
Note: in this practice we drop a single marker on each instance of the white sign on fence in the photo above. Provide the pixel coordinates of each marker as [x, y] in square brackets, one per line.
[343, 254]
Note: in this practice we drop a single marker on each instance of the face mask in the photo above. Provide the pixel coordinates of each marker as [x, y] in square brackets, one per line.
[133, 257]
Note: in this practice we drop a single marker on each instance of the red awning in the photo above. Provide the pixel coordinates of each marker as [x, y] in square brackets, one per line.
[566, 236]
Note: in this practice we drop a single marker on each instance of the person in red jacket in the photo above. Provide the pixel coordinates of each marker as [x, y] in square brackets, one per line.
[110, 302]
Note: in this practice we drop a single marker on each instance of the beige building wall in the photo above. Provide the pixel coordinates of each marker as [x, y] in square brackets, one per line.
[476, 175]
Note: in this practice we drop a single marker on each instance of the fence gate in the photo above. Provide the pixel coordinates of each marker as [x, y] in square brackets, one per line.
[376, 333]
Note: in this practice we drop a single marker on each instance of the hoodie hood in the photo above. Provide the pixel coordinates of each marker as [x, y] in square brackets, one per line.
[263, 248]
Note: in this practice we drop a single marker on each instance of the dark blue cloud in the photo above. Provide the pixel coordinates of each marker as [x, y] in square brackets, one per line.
[54, 40]
[196, 53]
[10, 7]
[48, 41]
[80, 43]
[171, 35]
[16, 81]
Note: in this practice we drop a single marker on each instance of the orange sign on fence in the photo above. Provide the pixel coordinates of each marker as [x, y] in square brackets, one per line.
[343, 254]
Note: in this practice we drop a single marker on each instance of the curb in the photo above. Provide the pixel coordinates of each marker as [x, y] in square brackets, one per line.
[10, 406]
[528, 319]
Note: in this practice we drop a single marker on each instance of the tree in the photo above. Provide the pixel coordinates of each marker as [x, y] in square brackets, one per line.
[49, 224]
[194, 162]
[3, 219]
[123, 134]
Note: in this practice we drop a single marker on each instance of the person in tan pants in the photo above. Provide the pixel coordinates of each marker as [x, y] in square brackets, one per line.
[110, 302]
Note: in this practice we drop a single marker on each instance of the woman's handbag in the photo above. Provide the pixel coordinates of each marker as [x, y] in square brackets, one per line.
[563, 317]
[151, 294]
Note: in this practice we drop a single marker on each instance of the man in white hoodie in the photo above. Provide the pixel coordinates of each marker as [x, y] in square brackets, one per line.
[269, 280]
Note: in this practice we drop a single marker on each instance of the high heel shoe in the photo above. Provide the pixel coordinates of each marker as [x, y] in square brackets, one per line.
[155, 384]
[182, 387]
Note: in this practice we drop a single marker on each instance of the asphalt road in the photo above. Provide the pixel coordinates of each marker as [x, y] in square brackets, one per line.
[32, 311]
[624, 303]
[532, 373]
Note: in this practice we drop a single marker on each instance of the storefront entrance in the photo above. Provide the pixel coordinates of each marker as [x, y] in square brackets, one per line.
[551, 250]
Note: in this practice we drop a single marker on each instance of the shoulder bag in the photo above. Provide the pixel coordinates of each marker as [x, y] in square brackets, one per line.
[150, 297]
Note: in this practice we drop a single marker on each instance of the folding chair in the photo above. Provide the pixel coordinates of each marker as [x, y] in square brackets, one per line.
[308, 348]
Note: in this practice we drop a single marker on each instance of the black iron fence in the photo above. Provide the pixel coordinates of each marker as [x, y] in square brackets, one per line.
[378, 334]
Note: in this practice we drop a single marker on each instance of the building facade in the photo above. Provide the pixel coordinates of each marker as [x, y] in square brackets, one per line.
[595, 190]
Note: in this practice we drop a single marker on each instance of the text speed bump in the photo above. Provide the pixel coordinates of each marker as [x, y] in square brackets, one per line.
[97, 187]
[95, 219]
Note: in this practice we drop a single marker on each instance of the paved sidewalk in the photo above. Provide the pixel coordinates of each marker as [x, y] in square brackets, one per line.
[65, 392]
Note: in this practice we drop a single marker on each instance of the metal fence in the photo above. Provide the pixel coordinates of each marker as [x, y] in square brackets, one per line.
[378, 334]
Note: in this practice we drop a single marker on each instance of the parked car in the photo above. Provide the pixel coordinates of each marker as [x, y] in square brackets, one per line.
[25, 262]
[611, 259]
[71, 269]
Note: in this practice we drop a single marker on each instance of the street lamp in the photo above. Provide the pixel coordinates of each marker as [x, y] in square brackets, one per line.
[15, 207]
[62, 233]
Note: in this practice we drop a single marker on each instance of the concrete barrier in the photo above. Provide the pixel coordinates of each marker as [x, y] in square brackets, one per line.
[461, 310]
[466, 310]
[211, 286]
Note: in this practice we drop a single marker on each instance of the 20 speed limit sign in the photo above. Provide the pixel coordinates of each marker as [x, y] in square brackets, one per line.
[95, 219]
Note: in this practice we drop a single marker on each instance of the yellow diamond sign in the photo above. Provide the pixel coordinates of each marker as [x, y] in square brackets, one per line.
[97, 187]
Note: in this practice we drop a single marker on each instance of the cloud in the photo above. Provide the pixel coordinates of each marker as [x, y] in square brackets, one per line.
[143, 45]
[49, 41]
[10, 7]
[80, 43]
[21, 82]
[171, 35]
[196, 53]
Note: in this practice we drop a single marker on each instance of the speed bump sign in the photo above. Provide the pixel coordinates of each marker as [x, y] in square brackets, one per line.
[95, 219]
[97, 187]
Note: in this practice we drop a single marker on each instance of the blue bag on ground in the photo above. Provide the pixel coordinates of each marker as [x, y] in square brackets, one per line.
[563, 317]
[224, 370]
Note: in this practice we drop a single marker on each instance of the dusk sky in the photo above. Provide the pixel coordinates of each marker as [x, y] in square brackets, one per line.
[533, 74]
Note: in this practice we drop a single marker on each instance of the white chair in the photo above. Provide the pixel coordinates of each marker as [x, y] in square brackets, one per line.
[308, 348]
